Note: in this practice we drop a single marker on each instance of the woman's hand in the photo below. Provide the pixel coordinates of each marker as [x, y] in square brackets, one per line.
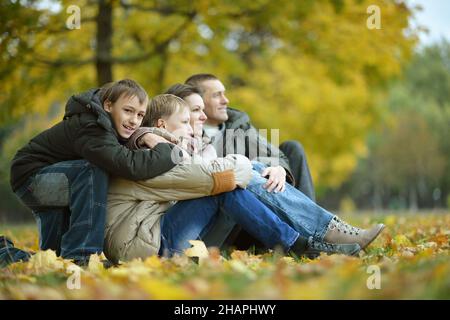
[276, 180]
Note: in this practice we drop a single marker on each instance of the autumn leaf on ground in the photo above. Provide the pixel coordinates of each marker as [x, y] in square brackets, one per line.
[95, 264]
[198, 250]
[44, 261]
[402, 240]
[413, 257]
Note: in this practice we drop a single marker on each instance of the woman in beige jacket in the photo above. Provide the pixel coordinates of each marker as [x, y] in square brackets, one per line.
[135, 209]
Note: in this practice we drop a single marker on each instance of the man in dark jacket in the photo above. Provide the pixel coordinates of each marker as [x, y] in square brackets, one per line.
[62, 173]
[225, 126]
[231, 131]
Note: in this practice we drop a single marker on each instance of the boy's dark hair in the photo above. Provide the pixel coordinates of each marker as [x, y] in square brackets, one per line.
[163, 106]
[183, 90]
[197, 79]
[112, 91]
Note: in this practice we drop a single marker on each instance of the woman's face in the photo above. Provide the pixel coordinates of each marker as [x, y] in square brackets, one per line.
[178, 124]
[197, 114]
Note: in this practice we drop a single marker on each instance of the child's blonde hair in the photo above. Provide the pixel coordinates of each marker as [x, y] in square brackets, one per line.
[163, 106]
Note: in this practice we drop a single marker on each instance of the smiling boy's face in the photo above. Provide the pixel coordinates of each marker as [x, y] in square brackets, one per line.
[127, 114]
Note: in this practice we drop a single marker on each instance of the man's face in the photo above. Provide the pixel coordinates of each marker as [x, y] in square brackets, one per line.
[198, 117]
[127, 114]
[216, 102]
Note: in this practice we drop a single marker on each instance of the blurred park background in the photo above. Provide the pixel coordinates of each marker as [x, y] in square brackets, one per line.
[370, 106]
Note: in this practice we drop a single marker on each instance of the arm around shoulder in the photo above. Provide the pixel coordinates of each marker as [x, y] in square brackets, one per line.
[102, 148]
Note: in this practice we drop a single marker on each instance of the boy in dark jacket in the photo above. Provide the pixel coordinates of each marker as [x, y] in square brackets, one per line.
[62, 173]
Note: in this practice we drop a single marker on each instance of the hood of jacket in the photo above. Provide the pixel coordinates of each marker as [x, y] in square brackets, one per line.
[89, 102]
[236, 118]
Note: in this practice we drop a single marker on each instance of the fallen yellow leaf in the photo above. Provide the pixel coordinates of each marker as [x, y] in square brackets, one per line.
[95, 264]
[198, 250]
[45, 261]
[402, 240]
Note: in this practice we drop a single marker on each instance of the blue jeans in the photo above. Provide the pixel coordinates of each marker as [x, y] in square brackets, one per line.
[68, 200]
[192, 219]
[10, 254]
[296, 155]
[292, 206]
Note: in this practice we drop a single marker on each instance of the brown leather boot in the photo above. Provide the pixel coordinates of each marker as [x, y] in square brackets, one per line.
[341, 232]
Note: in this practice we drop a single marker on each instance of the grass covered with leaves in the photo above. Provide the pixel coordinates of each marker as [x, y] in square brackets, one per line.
[412, 255]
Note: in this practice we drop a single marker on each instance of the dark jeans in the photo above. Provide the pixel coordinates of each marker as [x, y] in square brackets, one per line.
[299, 166]
[9, 254]
[68, 200]
[192, 219]
[292, 206]
[225, 230]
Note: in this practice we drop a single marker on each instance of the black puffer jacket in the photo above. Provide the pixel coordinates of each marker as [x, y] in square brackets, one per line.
[86, 132]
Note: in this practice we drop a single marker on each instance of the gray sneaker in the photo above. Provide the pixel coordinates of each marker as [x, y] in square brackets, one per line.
[314, 248]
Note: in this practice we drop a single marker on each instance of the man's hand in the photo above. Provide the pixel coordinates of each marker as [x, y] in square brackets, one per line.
[151, 140]
[276, 180]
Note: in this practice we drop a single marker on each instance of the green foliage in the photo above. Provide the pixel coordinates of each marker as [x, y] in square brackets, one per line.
[429, 73]
[409, 151]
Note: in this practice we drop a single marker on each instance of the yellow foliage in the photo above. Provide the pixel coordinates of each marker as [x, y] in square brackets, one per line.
[347, 205]
[308, 69]
[161, 290]
[44, 261]
[401, 240]
[95, 264]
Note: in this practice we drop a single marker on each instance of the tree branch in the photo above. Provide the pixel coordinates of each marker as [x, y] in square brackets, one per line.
[64, 62]
[159, 48]
[63, 28]
[165, 11]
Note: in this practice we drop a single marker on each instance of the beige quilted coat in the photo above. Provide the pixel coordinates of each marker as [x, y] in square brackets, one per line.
[135, 208]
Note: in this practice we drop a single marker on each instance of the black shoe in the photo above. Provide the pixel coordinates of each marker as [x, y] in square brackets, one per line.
[299, 247]
[108, 264]
[10, 254]
[5, 242]
[84, 262]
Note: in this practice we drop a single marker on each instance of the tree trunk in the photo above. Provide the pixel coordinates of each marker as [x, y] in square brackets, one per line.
[162, 70]
[104, 42]
[413, 205]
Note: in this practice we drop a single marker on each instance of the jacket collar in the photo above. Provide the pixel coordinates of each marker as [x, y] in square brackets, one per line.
[89, 102]
[236, 118]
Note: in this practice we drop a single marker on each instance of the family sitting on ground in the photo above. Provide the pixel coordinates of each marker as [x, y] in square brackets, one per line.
[133, 178]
